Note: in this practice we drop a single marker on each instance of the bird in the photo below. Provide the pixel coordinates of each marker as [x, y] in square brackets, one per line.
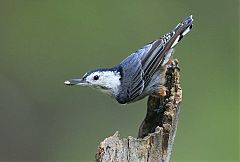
[142, 73]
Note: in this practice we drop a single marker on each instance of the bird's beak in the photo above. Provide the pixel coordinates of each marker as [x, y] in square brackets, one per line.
[72, 82]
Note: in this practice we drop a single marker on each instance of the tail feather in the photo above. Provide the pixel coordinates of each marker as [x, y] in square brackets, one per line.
[171, 39]
[182, 29]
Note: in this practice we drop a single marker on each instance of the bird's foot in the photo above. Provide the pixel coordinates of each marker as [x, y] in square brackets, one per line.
[162, 91]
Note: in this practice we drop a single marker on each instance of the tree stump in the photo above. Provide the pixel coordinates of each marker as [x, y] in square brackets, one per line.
[157, 131]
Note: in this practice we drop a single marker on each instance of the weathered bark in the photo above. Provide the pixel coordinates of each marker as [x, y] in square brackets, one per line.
[157, 131]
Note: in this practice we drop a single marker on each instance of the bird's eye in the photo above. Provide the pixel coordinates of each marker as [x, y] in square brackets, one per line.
[96, 77]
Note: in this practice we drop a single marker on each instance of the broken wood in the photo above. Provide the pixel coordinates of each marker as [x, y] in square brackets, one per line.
[157, 131]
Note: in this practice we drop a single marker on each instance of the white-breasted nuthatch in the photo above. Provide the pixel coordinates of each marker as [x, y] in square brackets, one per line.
[140, 74]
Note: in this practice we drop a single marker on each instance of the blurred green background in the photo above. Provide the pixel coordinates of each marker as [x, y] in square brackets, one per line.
[44, 42]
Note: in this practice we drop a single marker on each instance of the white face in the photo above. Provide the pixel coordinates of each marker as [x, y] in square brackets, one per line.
[106, 81]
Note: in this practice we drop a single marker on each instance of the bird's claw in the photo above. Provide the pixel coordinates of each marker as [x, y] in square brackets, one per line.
[162, 91]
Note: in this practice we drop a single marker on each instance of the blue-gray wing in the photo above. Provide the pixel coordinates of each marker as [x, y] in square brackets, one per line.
[132, 83]
[137, 69]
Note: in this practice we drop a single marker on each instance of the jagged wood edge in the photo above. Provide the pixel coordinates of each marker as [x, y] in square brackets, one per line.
[157, 131]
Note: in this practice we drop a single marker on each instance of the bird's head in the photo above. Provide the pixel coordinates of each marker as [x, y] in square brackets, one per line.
[106, 80]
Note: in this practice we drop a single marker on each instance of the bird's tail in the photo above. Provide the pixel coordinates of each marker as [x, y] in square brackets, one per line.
[181, 30]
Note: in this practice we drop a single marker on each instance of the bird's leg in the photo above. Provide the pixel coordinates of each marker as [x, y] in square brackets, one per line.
[162, 90]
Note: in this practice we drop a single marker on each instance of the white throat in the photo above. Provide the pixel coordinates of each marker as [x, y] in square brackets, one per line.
[111, 80]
